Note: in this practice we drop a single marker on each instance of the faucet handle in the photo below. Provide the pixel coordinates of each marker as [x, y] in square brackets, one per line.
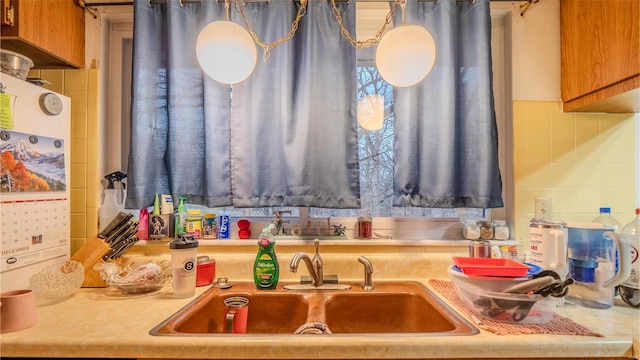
[317, 260]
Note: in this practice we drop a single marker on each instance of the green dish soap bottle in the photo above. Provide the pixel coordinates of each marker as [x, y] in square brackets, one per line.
[180, 217]
[265, 268]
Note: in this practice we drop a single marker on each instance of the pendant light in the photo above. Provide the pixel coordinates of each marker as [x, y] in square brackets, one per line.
[226, 51]
[405, 54]
[371, 112]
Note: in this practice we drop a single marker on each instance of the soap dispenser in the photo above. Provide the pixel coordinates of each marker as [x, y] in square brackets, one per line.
[265, 267]
[181, 215]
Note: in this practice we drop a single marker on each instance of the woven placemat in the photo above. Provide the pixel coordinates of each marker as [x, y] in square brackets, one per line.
[559, 325]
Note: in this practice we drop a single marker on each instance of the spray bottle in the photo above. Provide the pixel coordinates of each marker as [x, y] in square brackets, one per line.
[112, 203]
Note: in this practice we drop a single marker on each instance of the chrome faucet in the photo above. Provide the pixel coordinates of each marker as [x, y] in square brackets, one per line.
[313, 265]
[368, 270]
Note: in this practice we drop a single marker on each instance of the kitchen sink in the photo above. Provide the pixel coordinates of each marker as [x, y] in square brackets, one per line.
[270, 312]
[393, 307]
[385, 313]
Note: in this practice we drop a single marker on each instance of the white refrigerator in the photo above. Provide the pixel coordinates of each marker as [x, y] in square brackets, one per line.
[34, 180]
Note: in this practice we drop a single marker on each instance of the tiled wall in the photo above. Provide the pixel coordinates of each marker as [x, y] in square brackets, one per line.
[82, 87]
[581, 161]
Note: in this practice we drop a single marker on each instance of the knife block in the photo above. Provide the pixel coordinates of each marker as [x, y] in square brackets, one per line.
[89, 255]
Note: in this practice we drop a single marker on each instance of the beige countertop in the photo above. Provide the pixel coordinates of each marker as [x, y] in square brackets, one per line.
[104, 323]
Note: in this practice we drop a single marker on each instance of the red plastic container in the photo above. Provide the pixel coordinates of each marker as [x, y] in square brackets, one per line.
[205, 271]
[491, 266]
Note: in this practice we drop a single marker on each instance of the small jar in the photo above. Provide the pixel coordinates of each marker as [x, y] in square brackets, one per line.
[364, 227]
[500, 230]
[486, 230]
[210, 226]
[193, 223]
[470, 230]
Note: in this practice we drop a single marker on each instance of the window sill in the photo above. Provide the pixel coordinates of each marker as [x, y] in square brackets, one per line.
[337, 242]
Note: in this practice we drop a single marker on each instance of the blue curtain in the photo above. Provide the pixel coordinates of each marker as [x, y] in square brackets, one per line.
[284, 137]
[446, 142]
[295, 136]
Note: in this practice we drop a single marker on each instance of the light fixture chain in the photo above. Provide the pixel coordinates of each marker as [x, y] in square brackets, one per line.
[369, 42]
[270, 46]
[227, 10]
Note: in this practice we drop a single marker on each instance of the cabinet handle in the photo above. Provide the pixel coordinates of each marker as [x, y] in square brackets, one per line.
[8, 13]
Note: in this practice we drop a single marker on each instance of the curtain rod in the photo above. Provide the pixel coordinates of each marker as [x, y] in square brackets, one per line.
[84, 3]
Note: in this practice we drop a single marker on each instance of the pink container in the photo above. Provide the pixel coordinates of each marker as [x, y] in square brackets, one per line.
[17, 310]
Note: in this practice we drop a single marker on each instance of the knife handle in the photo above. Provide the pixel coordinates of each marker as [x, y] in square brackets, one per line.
[116, 234]
[117, 221]
[121, 252]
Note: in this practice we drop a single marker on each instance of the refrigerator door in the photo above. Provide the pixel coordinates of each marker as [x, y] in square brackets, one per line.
[35, 146]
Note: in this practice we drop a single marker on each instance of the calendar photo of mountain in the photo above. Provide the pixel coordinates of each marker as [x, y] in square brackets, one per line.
[31, 163]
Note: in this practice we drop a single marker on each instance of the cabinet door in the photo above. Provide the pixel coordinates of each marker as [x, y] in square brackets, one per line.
[600, 45]
[50, 32]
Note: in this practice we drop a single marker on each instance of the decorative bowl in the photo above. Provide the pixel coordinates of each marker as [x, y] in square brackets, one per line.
[57, 282]
[135, 278]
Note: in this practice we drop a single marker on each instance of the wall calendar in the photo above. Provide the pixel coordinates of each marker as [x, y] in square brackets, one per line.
[33, 230]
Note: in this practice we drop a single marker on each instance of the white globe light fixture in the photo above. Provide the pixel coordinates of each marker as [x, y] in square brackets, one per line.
[371, 112]
[405, 55]
[226, 52]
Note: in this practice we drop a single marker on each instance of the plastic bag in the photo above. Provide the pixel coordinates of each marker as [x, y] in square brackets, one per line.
[143, 224]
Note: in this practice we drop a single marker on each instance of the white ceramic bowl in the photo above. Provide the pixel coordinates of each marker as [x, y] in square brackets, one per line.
[487, 283]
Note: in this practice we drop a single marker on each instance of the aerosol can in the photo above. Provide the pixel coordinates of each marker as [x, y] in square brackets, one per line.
[112, 202]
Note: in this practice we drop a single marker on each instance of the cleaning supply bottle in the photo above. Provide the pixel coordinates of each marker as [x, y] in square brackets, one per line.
[607, 220]
[110, 206]
[265, 268]
[181, 216]
[630, 289]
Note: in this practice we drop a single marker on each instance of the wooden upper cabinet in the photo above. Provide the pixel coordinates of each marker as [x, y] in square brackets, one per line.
[50, 32]
[600, 51]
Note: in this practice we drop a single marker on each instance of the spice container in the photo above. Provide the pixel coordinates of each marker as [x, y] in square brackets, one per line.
[193, 223]
[500, 230]
[486, 230]
[210, 227]
[470, 230]
[364, 227]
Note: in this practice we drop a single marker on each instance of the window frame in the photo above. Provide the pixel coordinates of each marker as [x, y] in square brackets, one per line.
[114, 140]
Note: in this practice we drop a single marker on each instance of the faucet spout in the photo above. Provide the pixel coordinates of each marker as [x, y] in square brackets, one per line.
[316, 279]
[368, 270]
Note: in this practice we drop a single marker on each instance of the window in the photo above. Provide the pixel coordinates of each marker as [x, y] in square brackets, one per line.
[376, 159]
[375, 147]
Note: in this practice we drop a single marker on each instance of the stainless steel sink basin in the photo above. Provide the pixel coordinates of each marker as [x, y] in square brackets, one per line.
[391, 308]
